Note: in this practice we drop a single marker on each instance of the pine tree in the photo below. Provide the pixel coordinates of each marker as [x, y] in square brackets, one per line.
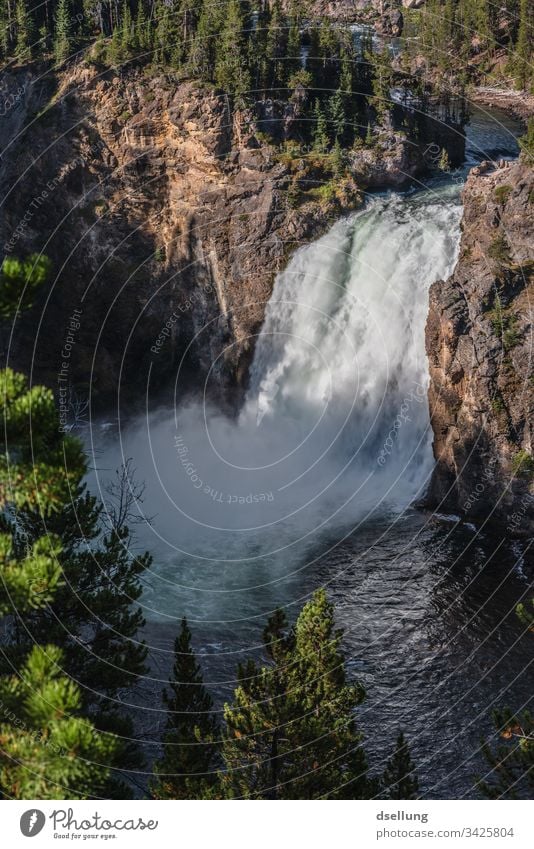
[4, 29]
[20, 280]
[337, 115]
[400, 780]
[231, 66]
[522, 59]
[32, 474]
[276, 50]
[381, 85]
[142, 29]
[291, 732]
[511, 762]
[25, 32]
[48, 750]
[293, 62]
[63, 35]
[187, 769]
[338, 160]
[320, 130]
[91, 616]
[202, 50]
[127, 31]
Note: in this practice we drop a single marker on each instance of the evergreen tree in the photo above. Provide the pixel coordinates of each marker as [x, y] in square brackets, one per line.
[400, 780]
[20, 280]
[338, 160]
[291, 732]
[320, 130]
[231, 66]
[293, 62]
[276, 50]
[202, 49]
[337, 115]
[522, 59]
[142, 29]
[91, 616]
[187, 769]
[381, 84]
[32, 473]
[48, 750]
[25, 32]
[63, 34]
[115, 52]
[127, 31]
[511, 762]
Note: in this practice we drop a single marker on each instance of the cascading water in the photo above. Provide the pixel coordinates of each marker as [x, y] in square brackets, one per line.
[335, 427]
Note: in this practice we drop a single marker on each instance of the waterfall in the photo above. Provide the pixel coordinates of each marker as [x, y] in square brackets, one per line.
[335, 426]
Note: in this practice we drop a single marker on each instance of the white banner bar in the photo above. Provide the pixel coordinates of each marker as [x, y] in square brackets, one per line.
[251, 825]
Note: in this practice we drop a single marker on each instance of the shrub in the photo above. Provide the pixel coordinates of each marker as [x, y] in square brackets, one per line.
[502, 193]
[499, 250]
[523, 464]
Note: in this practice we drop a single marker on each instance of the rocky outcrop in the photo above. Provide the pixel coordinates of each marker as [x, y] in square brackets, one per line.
[517, 103]
[479, 344]
[385, 15]
[166, 216]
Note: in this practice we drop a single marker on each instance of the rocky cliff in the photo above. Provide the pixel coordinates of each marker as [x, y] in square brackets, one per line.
[384, 15]
[479, 345]
[166, 217]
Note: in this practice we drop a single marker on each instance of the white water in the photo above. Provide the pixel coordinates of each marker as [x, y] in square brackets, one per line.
[335, 427]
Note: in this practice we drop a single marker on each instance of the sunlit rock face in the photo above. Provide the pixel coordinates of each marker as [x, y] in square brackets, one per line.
[479, 345]
[167, 218]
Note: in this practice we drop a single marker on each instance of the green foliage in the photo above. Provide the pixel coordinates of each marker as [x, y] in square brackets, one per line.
[20, 280]
[512, 760]
[66, 579]
[231, 67]
[96, 597]
[47, 750]
[523, 464]
[525, 613]
[502, 193]
[400, 780]
[24, 32]
[499, 249]
[381, 85]
[320, 134]
[28, 581]
[38, 465]
[291, 731]
[464, 40]
[526, 142]
[63, 41]
[188, 767]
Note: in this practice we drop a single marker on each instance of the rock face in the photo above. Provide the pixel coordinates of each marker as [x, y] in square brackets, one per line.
[166, 218]
[479, 344]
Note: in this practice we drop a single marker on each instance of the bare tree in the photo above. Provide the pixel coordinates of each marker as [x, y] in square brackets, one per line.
[123, 505]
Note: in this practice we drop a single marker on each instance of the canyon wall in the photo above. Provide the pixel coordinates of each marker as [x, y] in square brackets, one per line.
[166, 217]
[480, 349]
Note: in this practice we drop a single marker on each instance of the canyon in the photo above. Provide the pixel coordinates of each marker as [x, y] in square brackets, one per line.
[168, 217]
[163, 211]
